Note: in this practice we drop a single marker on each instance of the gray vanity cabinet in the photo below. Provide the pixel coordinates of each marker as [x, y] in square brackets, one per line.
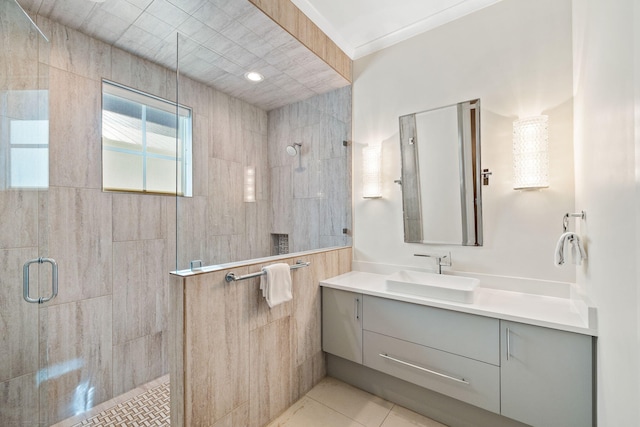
[342, 324]
[539, 376]
[546, 376]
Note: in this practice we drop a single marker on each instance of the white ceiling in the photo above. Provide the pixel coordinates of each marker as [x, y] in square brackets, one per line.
[361, 27]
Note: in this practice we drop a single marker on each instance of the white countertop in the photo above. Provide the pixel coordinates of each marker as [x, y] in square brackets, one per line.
[570, 314]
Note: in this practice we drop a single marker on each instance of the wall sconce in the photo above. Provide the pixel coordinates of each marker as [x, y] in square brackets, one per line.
[371, 171]
[531, 153]
[250, 184]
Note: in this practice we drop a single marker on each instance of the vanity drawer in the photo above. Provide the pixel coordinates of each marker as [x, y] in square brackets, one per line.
[476, 383]
[468, 335]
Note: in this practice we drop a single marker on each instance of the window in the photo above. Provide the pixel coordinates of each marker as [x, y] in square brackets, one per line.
[145, 148]
[29, 154]
[24, 139]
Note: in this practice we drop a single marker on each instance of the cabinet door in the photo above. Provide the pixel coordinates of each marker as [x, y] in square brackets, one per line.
[342, 324]
[546, 376]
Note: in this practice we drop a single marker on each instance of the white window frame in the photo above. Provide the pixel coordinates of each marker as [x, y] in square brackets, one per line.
[146, 100]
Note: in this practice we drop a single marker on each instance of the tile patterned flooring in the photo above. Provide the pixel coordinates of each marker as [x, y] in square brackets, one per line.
[331, 403]
[154, 395]
[150, 408]
[336, 404]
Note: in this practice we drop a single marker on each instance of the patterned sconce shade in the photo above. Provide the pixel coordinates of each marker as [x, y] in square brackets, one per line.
[371, 169]
[531, 153]
[249, 184]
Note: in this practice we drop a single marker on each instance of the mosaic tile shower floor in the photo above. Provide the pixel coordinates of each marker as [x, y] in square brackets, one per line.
[150, 408]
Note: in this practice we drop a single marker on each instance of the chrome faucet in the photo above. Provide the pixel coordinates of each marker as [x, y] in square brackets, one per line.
[442, 260]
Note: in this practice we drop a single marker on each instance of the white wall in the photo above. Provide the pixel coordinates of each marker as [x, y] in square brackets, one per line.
[516, 56]
[607, 142]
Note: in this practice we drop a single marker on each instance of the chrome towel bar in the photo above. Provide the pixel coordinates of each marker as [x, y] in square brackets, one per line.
[231, 277]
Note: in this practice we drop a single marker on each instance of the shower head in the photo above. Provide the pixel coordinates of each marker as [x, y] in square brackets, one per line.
[292, 150]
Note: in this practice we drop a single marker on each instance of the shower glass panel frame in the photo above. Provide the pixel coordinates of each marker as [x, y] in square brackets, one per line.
[251, 198]
[61, 358]
[25, 371]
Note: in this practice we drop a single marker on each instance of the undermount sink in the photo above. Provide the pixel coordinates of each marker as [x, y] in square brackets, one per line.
[429, 285]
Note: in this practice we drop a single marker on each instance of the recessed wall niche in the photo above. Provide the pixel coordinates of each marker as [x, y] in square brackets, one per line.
[280, 245]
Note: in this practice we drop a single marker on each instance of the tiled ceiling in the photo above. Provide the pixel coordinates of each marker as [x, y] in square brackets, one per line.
[219, 41]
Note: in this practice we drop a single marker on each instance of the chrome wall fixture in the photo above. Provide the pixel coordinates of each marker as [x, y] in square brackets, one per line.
[232, 277]
[565, 220]
[486, 173]
[292, 150]
[442, 260]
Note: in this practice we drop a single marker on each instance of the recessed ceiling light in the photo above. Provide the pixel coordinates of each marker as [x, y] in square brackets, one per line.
[253, 76]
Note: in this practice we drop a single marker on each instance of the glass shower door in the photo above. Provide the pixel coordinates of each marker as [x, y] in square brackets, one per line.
[27, 278]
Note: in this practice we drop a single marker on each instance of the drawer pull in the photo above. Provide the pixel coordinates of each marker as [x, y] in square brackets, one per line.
[429, 371]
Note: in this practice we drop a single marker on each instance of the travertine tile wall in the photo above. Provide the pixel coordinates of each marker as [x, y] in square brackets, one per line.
[311, 192]
[258, 361]
[216, 225]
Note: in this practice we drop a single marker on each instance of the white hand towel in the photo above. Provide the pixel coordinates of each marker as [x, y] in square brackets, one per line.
[577, 249]
[275, 284]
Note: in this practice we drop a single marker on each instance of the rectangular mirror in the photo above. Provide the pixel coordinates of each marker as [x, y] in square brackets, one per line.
[441, 175]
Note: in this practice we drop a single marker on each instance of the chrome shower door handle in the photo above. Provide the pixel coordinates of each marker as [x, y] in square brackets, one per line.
[25, 280]
[54, 279]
